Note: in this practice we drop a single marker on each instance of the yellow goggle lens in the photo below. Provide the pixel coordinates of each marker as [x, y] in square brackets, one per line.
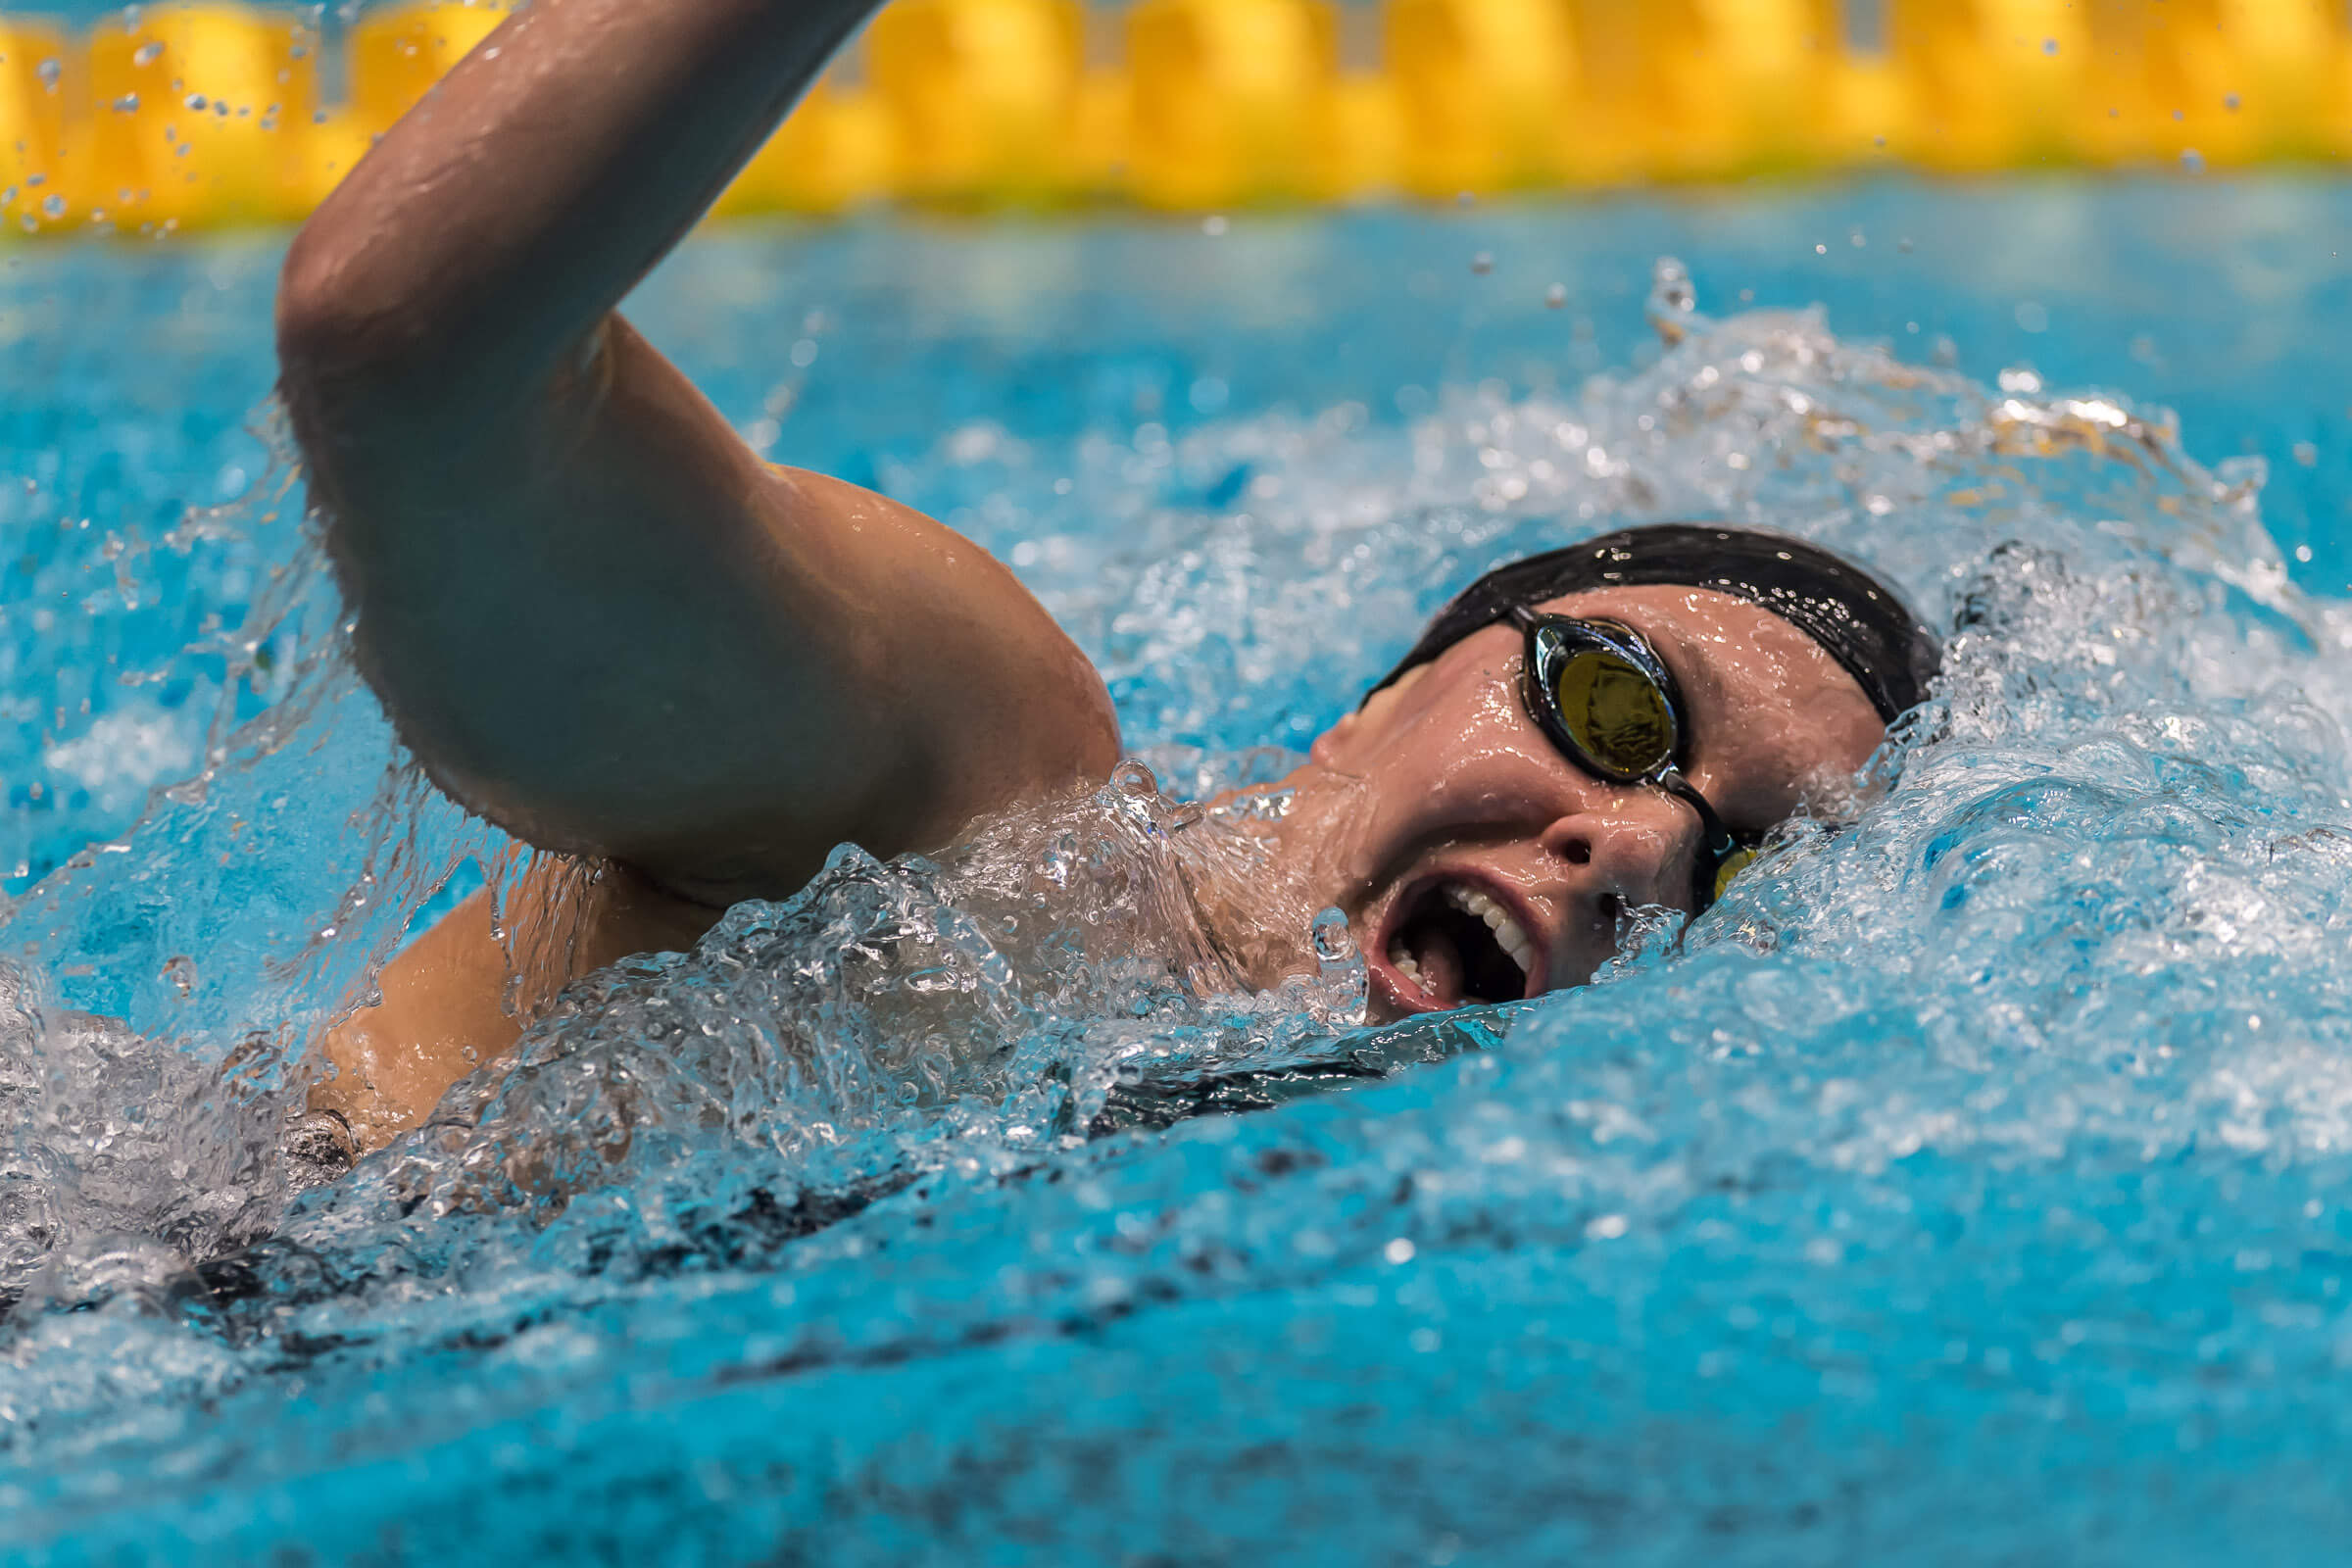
[1616, 714]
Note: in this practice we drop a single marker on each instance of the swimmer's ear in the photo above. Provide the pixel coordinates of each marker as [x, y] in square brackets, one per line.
[1375, 708]
[1381, 702]
[1337, 736]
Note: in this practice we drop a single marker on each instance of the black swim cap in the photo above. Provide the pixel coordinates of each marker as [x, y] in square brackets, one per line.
[1860, 621]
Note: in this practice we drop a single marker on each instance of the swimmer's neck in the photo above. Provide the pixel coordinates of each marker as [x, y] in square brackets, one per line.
[1258, 860]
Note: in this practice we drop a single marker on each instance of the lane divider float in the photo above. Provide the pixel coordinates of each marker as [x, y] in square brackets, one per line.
[200, 114]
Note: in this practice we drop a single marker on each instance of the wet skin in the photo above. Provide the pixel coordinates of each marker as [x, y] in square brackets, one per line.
[1444, 779]
[1441, 780]
[599, 620]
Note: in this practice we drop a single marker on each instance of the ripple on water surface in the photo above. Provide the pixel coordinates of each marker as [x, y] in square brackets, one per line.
[1968, 1186]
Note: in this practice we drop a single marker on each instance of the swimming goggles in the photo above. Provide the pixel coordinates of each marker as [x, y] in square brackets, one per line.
[1599, 692]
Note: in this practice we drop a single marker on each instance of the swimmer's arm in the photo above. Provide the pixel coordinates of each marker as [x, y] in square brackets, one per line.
[593, 613]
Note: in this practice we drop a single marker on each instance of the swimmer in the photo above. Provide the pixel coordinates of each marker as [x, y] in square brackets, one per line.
[600, 622]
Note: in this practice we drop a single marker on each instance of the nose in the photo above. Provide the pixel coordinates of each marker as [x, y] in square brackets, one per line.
[1629, 850]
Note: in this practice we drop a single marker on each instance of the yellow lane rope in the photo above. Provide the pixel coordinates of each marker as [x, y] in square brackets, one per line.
[179, 117]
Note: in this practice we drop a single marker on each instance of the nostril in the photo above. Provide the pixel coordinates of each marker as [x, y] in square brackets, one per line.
[1577, 852]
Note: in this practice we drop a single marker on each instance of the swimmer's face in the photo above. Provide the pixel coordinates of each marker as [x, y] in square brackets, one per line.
[1477, 864]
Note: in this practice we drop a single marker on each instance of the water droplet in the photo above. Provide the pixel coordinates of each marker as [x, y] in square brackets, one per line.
[147, 54]
[1335, 945]
[1555, 296]
[1483, 262]
[1672, 299]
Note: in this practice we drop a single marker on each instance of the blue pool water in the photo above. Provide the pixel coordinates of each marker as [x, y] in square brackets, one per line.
[1973, 1186]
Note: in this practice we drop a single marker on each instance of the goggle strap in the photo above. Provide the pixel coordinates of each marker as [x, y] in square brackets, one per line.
[1720, 842]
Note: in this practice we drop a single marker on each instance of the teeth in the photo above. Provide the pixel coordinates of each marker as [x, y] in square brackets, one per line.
[1403, 963]
[1507, 934]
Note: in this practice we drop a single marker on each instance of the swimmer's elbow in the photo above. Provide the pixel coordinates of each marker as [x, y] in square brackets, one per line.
[330, 323]
[362, 338]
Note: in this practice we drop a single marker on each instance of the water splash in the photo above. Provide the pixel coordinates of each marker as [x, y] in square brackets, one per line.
[2009, 1118]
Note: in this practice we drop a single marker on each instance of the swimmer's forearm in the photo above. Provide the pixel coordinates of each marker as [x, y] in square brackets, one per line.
[495, 226]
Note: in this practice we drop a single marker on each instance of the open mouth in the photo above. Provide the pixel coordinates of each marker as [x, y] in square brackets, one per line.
[1456, 947]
